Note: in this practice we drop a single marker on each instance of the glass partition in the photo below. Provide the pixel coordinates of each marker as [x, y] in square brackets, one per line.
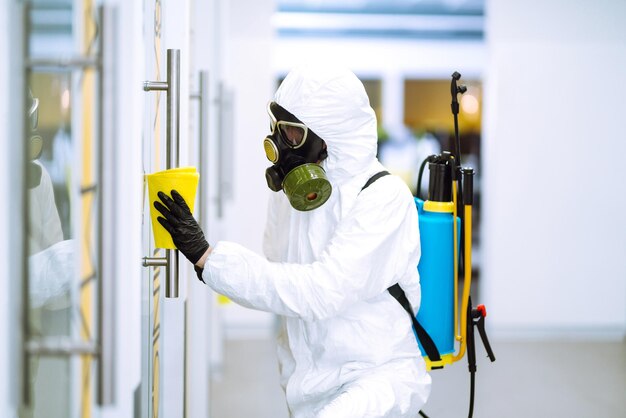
[62, 117]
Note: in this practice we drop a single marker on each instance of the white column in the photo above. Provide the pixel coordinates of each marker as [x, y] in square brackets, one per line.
[392, 98]
[11, 118]
[128, 97]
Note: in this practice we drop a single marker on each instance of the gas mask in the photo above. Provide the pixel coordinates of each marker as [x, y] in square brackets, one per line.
[35, 143]
[295, 151]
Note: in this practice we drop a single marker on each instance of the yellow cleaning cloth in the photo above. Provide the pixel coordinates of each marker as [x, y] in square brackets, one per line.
[185, 181]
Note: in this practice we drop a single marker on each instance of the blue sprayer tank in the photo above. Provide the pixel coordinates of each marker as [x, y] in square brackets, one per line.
[436, 269]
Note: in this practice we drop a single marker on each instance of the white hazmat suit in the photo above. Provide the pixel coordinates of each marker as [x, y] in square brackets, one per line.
[346, 347]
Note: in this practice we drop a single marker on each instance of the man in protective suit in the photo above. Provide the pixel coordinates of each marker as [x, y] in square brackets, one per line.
[44, 226]
[346, 347]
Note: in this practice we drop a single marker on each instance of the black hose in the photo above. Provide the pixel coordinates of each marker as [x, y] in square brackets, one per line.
[471, 405]
[423, 414]
[418, 189]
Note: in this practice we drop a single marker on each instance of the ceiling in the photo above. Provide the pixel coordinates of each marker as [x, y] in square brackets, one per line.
[424, 19]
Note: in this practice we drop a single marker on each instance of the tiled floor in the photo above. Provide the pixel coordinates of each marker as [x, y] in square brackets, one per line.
[528, 379]
[249, 384]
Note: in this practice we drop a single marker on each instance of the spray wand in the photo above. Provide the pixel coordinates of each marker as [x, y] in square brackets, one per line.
[474, 316]
[450, 201]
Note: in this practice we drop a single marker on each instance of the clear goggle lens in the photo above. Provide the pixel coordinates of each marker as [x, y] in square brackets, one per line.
[293, 133]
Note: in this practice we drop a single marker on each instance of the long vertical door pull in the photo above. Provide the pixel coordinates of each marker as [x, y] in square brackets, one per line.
[172, 87]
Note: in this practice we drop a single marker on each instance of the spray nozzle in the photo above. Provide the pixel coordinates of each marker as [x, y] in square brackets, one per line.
[454, 90]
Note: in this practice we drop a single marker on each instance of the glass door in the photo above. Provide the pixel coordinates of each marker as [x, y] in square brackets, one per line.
[63, 283]
[163, 278]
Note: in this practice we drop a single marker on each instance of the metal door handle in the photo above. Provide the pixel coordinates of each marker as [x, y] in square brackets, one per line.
[107, 259]
[203, 140]
[172, 87]
[225, 147]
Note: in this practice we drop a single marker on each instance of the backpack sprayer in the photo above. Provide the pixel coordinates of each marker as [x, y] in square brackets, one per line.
[439, 323]
[441, 218]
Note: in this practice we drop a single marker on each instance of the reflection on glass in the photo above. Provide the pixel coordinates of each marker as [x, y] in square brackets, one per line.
[51, 254]
[50, 245]
[49, 400]
[61, 117]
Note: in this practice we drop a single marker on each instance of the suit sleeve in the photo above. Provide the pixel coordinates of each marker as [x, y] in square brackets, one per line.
[372, 248]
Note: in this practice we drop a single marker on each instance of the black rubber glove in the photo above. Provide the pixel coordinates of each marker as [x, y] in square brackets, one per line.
[180, 223]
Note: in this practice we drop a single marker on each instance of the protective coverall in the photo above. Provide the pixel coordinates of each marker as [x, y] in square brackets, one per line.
[346, 347]
[44, 224]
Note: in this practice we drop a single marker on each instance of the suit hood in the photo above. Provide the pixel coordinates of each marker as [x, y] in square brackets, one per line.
[333, 103]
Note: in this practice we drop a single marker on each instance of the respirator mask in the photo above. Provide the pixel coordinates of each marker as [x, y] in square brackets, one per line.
[35, 143]
[296, 152]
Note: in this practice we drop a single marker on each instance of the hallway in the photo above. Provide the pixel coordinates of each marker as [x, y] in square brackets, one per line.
[106, 103]
[528, 379]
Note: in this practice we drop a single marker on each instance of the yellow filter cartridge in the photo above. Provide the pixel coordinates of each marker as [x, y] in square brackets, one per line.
[185, 181]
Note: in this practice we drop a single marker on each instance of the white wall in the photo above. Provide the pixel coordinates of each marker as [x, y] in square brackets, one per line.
[247, 51]
[553, 227]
